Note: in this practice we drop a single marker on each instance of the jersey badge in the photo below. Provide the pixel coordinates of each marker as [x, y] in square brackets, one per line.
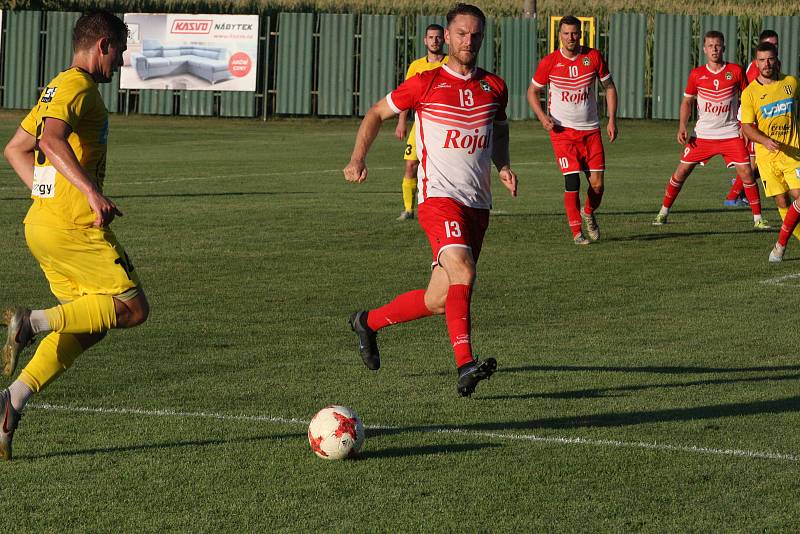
[442, 85]
[787, 89]
[485, 86]
[586, 62]
[48, 94]
[728, 75]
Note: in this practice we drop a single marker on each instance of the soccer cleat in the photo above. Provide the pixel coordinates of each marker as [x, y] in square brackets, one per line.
[19, 335]
[731, 203]
[471, 373]
[761, 224]
[592, 228]
[580, 240]
[10, 418]
[776, 255]
[406, 216]
[367, 340]
[660, 220]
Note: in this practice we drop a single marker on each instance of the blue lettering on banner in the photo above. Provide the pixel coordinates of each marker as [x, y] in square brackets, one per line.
[774, 109]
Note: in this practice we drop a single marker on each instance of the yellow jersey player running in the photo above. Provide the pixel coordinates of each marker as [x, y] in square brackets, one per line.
[434, 43]
[769, 118]
[59, 153]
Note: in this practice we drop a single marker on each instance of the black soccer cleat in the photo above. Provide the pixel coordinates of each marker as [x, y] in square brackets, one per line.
[367, 340]
[471, 373]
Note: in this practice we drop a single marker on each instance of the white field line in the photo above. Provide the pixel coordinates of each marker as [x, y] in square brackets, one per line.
[781, 280]
[554, 440]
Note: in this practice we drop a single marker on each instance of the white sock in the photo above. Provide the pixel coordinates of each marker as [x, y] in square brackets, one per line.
[663, 211]
[20, 394]
[39, 322]
[756, 218]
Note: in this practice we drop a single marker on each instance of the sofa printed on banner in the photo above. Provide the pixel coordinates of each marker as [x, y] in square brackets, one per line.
[207, 62]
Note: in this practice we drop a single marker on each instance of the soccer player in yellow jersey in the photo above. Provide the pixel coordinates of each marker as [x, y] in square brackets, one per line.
[769, 118]
[59, 153]
[434, 43]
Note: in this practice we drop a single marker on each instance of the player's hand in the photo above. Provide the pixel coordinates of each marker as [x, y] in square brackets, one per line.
[683, 135]
[509, 180]
[772, 145]
[611, 129]
[401, 131]
[104, 209]
[356, 171]
[547, 123]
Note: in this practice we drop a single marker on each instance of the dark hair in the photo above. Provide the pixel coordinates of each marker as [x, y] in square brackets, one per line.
[95, 25]
[767, 47]
[714, 34]
[766, 34]
[436, 27]
[569, 20]
[466, 9]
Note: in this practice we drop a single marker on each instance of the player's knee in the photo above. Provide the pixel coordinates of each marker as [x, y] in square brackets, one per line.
[572, 182]
[461, 271]
[134, 312]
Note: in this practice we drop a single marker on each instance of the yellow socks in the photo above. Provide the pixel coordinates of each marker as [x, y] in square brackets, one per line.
[409, 190]
[796, 232]
[87, 315]
[54, 355]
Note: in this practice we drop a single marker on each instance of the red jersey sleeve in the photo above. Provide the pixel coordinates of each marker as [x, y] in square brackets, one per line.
[406, 95]
[742, 78]
[691, 85]
[542, 75]
[601, 67]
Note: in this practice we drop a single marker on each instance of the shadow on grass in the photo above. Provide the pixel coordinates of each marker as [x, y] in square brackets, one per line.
[159, 446]
[617, 419]
[649, 369]
[394, 452]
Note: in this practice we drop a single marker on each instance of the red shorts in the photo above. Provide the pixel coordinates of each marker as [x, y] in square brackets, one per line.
[448, 223]
[733, 151]
[751, 147]
[578, 150]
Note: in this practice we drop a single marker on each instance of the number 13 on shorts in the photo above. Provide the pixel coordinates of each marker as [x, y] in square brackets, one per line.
[452, 229]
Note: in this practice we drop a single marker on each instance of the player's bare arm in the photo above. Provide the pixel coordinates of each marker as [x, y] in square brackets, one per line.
[683, 120]
[501, 157]
[534, 101]
[20, 153]
[758, 136]
[356, 170]
[58, 151]
[611, 104]
[402, 127]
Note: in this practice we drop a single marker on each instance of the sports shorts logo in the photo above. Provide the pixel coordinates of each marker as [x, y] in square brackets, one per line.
[48, 94]
[485, 86]
[586, 62]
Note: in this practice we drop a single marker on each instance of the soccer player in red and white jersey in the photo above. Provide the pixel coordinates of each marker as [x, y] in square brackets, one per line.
[573, 122]
[461, 129]
[734, 196]
[716, 86]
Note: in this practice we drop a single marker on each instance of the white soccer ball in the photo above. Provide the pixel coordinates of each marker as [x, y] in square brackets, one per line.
[336, 432]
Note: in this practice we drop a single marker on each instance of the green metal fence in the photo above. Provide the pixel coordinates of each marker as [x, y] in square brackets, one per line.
[340, 65]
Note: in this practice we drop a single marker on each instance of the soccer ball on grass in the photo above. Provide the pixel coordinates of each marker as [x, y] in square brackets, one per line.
[336, 432]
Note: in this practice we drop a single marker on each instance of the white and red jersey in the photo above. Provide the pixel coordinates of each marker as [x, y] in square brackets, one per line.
[752, 71]
[717, 96]
[454, 117]
[572, 102]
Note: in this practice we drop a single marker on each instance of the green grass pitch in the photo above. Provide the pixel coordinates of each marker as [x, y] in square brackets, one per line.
[646, 382]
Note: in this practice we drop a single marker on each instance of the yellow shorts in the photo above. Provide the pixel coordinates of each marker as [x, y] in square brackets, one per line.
[411, 145]
[779, 173]
[86, 261]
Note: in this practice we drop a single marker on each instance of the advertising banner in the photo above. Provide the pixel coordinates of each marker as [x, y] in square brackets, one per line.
[193, 52]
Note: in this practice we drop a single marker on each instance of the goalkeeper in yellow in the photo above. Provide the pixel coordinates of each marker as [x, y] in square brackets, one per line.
[59, 153]
[434, 43]
[769, 118]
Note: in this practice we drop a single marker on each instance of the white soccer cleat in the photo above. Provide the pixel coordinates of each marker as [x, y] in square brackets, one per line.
[592, 228]
[580, 240]
[776, 255]
[660, 220]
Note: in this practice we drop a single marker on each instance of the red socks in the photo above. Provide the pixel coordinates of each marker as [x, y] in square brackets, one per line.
[458, 323]
[673, 188]
[572, 204]
[403, 308]
[593, 200]
[751, 192]
[736, 189]
[789, 223]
